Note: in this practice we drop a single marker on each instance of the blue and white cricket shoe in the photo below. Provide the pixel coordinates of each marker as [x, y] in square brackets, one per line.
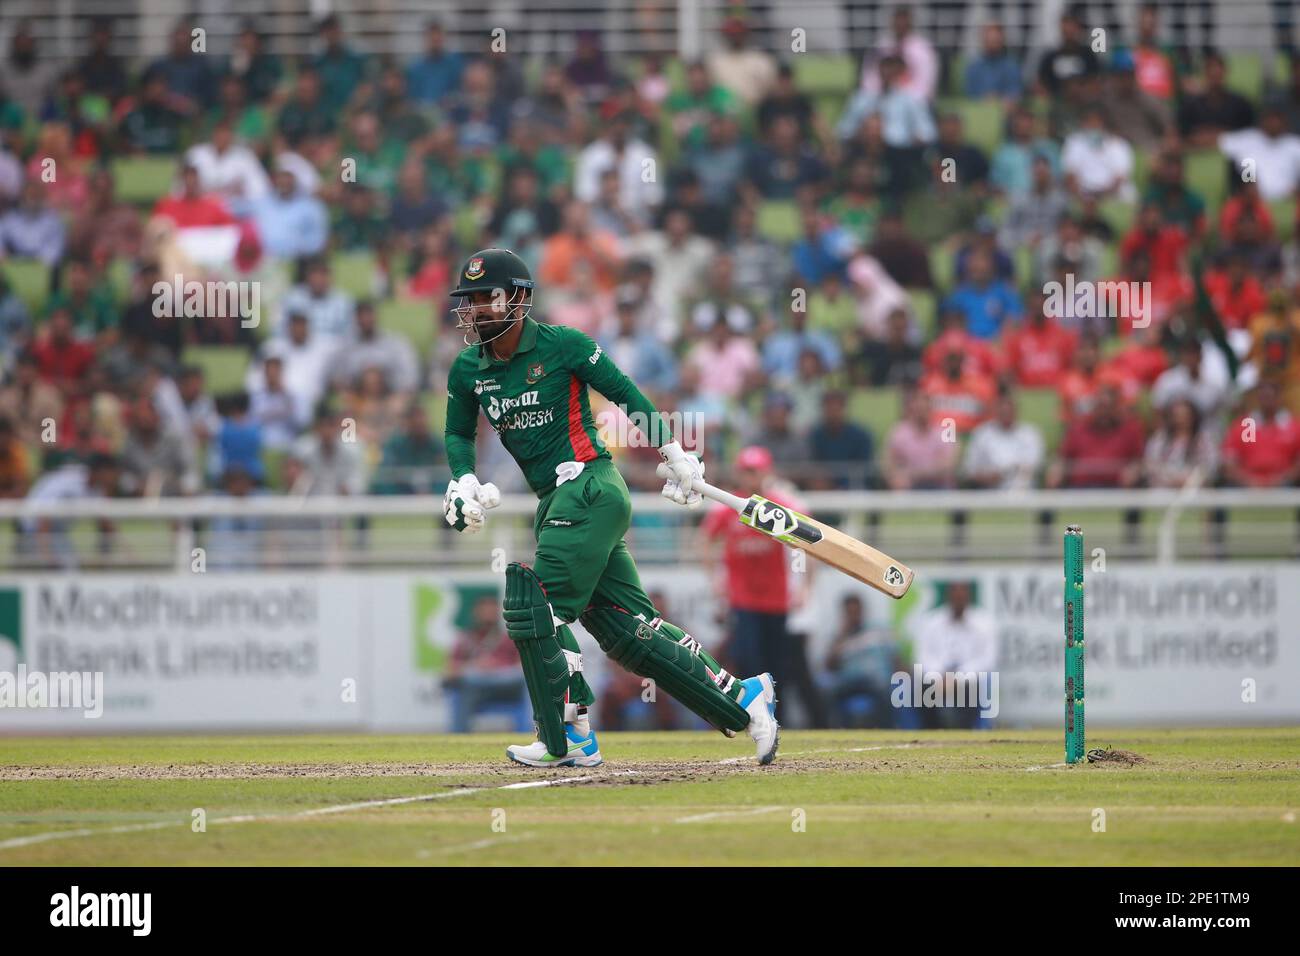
[759, 700]
[583, 751]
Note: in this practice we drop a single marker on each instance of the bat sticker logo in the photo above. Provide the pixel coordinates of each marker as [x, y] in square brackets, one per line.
[893, 576]
[774, 520]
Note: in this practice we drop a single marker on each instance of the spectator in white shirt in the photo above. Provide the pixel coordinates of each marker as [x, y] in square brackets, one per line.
[329, 311]
[1273, 151]
[226, 167]
[306, 358]
[374, 348]
[45, 539]
[1188, 381]
[1003, 452]
[639, 194]
[281, 414]
[745, 72]
[951, 639]
[1097, 161]
[682, 262]
[331, 465]
[917, 53]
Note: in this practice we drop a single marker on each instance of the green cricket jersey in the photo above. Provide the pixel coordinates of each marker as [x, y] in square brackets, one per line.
[537, 402]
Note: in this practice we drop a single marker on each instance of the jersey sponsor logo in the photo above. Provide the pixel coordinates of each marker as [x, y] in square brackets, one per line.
[482, 385]
[497, 407]
[474, 269]
[529, 419]
[595, 356]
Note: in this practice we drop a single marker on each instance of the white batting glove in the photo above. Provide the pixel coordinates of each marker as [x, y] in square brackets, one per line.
[672, 489]
[471, 489]
[460, 507]
[685, 469]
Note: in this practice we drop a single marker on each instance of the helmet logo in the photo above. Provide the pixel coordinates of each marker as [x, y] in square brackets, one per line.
[474, 269]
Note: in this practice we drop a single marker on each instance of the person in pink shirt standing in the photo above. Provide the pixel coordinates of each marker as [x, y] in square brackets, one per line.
[760, 587]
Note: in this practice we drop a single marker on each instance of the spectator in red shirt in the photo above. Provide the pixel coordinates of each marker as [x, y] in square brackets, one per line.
[191, 207]
[1245, 203]
[756, 571]
[957, 393]
[1262, 449]
[1154, 304]
[981, 356]
[63, 358]
[1103, 449]
[1038, 351]
[1165, 246]
[1235, 294]
[1139, 362]
[1080, 382]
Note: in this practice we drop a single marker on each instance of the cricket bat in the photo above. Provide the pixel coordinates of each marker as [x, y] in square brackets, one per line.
[826, 544]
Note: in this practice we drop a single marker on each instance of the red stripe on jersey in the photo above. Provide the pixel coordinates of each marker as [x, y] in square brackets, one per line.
[582, 447]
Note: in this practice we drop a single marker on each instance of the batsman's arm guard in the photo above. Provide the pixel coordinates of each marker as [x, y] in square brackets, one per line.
[671, 658]
[530, 622]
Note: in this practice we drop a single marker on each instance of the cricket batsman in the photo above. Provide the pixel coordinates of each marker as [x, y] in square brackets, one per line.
[531, 381]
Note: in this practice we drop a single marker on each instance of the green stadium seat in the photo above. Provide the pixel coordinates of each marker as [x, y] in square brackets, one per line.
[876, 409]
[224, 366]
[1041, 407]
[943, 268]
[1141, 169]
[925, 308]
[466, 226]
[273, 465]
[824, 73]
[143, 180]
[1246, 75]
[1284, 217]
[983, 122]
[354, 273]
[30, 281]
[1023, 257]
[779, 221]
[413, 319]
[435, 404]
[120, 273]
[829, 108]
[1109, 260]
[1207, 176]
[956, 82]
[1118, 213]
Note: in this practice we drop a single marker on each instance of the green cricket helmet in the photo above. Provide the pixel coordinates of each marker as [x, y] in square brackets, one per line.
[497, 271]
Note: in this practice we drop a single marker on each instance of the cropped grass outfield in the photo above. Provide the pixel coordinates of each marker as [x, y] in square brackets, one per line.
[1204, 797]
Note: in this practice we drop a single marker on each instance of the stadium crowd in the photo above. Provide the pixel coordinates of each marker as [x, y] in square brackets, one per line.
[856, 271]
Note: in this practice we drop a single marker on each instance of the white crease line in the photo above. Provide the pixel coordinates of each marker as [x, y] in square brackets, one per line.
[65, 834]
[471, 847]
[16, 842]
[725, 813]
[1046, 766]
[824, 750]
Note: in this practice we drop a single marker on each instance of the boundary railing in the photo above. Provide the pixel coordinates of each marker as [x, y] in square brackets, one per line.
[408, 531]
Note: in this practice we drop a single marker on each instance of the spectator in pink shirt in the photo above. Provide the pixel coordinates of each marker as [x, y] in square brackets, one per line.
[916, 456]
[728, 362]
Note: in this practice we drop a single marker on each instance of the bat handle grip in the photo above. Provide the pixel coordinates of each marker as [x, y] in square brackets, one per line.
[704, 488]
